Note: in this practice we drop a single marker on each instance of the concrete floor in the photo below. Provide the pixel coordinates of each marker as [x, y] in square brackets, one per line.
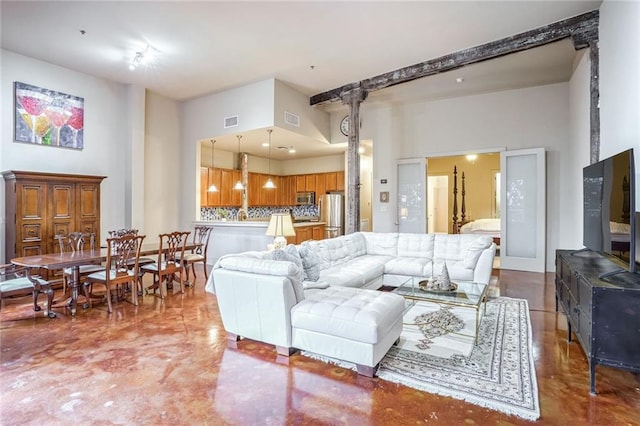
[168, 362]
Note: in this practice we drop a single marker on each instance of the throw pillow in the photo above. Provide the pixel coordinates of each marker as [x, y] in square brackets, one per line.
[298, 278]
[310, 263]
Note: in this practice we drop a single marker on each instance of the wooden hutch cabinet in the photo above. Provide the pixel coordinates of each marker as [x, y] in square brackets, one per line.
[41, 205]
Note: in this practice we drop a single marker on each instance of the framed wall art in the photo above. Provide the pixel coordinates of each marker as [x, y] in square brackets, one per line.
[47, 117]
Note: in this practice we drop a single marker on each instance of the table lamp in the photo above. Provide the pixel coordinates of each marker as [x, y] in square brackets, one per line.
[280, 226]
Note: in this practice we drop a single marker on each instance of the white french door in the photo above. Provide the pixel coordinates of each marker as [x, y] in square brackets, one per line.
[522, 222]
[412, 196]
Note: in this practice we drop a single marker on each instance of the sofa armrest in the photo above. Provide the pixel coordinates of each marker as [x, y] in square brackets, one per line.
[256, 306]
[484, 267]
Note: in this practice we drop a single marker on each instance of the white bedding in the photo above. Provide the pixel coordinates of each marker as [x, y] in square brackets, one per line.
[482, 227]
[620, 231]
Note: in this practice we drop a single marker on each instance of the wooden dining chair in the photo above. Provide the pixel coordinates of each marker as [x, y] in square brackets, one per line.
[141, 262]
[198, 254]
[15, 282]
[77, 242]
[117, 273]
[170, 251]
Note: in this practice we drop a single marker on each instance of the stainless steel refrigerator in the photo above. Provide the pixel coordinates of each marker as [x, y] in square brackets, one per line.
[331, 208]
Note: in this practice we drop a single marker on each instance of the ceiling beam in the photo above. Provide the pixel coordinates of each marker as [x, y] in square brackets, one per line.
[582, 29]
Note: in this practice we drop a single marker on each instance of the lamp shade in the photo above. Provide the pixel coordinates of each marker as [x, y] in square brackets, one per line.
[280, 225]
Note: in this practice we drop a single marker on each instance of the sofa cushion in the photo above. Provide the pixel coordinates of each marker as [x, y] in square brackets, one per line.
[384, 244]
[415, 245]
[286, 255]
[341, 276]
[354, 314]
[412, 266]
[475, 249]
[310, 262]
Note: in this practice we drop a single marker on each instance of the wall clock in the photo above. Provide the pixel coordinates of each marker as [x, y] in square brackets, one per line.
[344, 125]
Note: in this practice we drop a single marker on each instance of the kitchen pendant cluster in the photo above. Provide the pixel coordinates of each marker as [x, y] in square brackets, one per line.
[269, 183]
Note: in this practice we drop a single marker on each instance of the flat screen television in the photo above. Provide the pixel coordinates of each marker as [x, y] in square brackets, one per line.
[609, 208]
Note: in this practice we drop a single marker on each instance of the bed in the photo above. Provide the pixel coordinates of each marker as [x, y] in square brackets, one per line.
[486, 226]
[620, 237]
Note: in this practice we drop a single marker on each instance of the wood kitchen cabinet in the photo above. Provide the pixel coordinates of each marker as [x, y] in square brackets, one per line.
[310, 183]
[330, 181]
[226, 187]
[254, 189]
[39, 206]
[303, 233]
[317, 232]
[204, 182]
[321, 187]
[340, 181]
[301, 183]
[215, 178]
[236, 194]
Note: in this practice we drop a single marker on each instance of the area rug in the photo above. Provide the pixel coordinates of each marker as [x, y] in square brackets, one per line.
[436, 354]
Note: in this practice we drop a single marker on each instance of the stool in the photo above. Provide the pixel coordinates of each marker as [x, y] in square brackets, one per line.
[350, 324]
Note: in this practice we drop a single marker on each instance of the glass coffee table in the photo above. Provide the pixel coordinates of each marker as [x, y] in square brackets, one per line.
[467, 295]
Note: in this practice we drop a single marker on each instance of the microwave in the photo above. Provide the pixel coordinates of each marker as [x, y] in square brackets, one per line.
[305, 198]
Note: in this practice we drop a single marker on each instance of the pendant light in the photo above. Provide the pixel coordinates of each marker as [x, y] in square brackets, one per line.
[239, 186]
[269, 183]
[212, 188]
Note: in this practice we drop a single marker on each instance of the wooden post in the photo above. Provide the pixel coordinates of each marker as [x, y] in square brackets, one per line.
[353, 98]
[455, 201]
[463, 208]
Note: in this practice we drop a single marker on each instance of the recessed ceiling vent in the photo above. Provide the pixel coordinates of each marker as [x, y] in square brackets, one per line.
[292, 119]
[230, 121]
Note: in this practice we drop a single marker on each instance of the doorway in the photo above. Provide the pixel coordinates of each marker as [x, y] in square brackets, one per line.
[437, 202]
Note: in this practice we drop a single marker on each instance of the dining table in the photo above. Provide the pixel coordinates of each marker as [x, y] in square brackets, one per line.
[74, 260]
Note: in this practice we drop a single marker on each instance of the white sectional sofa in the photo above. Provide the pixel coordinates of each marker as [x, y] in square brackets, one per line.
[288, 302]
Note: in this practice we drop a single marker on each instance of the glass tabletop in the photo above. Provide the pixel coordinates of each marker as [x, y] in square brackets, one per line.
[467, 293]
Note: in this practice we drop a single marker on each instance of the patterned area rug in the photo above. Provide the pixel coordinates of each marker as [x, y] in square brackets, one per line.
[437, 354]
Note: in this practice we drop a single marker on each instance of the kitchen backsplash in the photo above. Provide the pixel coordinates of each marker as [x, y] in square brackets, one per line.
[231, 213]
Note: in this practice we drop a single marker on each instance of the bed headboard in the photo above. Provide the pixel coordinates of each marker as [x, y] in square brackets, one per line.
[457, 224]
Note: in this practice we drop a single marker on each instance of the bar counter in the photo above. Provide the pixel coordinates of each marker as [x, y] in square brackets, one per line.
[239, 236]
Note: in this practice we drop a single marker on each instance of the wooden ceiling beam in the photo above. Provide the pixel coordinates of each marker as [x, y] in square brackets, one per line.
[583, 29]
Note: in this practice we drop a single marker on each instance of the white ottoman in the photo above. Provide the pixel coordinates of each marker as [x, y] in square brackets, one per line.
[350, 324]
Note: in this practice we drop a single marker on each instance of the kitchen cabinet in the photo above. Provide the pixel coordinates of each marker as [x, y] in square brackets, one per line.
[301, 183]
[303, 233]
[317, 232]
[39, 206]
[331, 181]
[321, 187]
[204, 182]
[254, 189]
[226, 187]
[340, 181]
[310, 183]
[236, 194]
[215, 178]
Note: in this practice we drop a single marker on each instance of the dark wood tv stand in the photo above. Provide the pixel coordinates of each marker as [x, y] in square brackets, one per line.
[603, 313]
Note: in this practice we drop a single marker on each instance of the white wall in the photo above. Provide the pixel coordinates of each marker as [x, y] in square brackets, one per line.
[514, 119]
[163, 192]
[106, 132]
[620, 81]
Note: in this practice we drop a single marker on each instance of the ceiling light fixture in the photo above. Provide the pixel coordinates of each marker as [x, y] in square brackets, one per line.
[459, 80]
[269, 183]
[292, 150]
[239, 186]
[142, 58]
[212, 188]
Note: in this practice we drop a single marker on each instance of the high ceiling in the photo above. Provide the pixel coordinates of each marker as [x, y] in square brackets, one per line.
[313, 46]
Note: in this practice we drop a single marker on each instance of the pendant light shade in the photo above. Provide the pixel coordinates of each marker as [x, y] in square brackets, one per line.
[213, 187]
[239, 186]
[269, 183]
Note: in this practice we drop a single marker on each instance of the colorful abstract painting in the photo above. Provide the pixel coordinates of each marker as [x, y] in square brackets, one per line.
[47, 117]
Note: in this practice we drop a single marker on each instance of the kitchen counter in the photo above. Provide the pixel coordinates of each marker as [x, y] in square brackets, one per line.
[238, 236]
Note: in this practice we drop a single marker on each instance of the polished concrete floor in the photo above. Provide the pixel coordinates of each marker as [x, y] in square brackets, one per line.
[167, 362]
